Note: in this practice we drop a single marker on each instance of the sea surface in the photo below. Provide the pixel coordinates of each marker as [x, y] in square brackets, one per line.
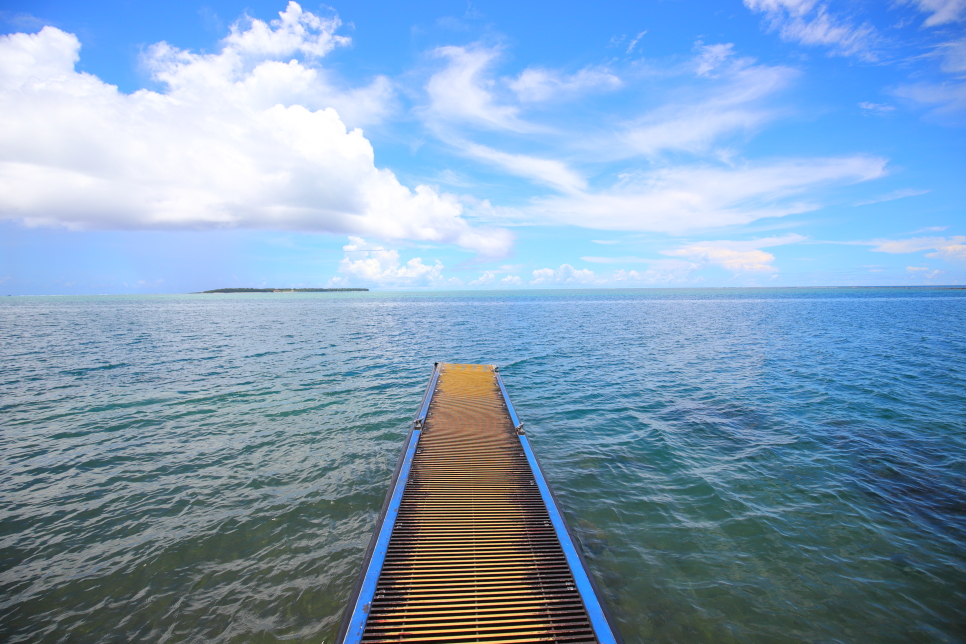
[739, 465]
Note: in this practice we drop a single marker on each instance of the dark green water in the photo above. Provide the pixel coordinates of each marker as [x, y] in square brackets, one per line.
[739, 465]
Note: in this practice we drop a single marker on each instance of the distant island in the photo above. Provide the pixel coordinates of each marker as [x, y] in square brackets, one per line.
[283, 290]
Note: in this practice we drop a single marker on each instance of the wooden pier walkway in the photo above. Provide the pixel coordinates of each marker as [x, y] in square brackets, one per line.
[471, 546]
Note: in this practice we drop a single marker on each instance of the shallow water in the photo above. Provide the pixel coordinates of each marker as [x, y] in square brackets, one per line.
[743, 465]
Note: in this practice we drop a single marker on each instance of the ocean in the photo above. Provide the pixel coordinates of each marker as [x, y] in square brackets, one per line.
[738, 465]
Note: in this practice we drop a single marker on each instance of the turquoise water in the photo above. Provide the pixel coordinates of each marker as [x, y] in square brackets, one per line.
[745, 465]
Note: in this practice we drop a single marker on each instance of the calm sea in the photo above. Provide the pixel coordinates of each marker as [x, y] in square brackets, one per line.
[739, 465]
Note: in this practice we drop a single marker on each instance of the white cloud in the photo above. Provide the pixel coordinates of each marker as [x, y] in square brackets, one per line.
[374, 265]
[666, 271]
[547, 171]
[954, 56]
[679, 199]
[946, 100]
[731, 101]
[565, 275]
[917, 244]
[237, 139]
[948, 248]
[736, 261]
[810, 23]
[462, 92]
[895, 194]
[736, 256]
[487, 278]
[637, 39]
[536, 84]
[941, 11]
[710, 58]
[876, 108]
[925, 272]
[950, 251]
[659, 271]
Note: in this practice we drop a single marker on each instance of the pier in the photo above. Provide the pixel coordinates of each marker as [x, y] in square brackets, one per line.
[471, 545]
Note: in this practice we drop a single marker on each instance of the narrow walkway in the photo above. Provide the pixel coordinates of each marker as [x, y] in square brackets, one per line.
[474, 554]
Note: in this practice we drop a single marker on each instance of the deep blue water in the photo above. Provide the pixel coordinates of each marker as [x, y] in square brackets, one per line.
[741, 465]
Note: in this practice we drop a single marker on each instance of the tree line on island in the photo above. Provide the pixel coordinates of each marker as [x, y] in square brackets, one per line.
[283, 290]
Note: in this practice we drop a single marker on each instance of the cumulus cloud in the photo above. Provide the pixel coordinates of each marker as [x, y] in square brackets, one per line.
[486, 279]
[678, 199]
[565, 275]
[809, 22]
[659, 271]
[374, 265]
[489, 279]
[736, 256]
[237, 138]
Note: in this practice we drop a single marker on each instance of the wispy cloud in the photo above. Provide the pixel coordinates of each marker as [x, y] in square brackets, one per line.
[731, 100]
[680, 199]
[895, 194]
[950, 248]
[809, 22]
[946, 101]
[940, 11]
[461, 92]
[637, 39]
[536, 84]
[547, 171]
[876, 108]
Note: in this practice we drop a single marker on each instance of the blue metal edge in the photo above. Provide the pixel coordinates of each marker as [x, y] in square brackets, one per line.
[427, 397]
[357, 609]
[589, 593]
[509, 405]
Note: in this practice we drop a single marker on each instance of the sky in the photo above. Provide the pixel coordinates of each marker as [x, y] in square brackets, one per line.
[184, 146]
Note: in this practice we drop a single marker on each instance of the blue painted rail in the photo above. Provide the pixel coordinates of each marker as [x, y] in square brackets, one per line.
[471, 545]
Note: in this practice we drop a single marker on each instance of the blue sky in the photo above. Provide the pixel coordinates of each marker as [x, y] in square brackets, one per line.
[450, 145]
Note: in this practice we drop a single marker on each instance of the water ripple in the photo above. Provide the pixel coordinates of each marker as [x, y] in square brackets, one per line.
[738, 465]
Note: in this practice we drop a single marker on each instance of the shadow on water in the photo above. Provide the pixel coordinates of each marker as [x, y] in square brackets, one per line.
[913, 477]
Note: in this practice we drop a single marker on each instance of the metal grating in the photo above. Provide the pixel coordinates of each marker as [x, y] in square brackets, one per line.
[473, 555]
